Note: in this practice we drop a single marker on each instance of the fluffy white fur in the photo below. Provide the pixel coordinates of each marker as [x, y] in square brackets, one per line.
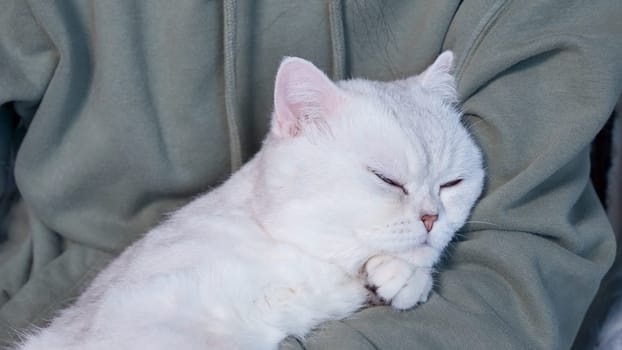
[610, 335]
[336, 201]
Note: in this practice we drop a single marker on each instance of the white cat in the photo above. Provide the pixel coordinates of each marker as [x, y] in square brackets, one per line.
[359, 186]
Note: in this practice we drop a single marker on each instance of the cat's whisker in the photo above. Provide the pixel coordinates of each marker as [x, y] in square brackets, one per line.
[470, 126]
[482, 222]
[458, 235]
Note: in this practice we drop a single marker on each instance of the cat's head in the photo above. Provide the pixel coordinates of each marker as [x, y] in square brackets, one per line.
[357, 168]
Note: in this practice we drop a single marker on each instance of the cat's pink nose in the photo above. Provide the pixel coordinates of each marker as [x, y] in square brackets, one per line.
[428, 221]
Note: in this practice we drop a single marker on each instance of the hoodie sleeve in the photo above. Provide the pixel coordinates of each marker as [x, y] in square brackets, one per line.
[27, 63]
[27, 58]
[537, 82]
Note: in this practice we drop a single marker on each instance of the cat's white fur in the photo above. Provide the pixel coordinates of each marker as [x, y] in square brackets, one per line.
[296, 236]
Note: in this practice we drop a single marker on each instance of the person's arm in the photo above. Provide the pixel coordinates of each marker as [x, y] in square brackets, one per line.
[537, 82]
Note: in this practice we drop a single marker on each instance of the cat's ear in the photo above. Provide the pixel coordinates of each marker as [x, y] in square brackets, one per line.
[438, 77]
[303, 96]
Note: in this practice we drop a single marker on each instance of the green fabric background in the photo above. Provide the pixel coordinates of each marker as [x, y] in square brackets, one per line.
[133, 107]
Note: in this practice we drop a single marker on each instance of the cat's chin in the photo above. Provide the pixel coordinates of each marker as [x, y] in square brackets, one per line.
[423, 255]
[419, 252]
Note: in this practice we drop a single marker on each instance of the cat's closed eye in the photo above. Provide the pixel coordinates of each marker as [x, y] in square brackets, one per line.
[389, 180]
[451, 183]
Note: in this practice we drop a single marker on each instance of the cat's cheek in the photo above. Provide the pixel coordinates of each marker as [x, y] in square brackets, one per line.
[458, 206]
[442, 235]
[422, 256]
[400, 235]
[378, 209]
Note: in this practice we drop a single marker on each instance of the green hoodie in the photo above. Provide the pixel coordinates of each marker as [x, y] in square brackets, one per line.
[132, 107]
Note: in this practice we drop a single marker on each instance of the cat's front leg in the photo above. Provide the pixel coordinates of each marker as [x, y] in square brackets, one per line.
[397, 282]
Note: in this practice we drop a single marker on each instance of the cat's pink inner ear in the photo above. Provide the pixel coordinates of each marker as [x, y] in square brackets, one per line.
[303, 94]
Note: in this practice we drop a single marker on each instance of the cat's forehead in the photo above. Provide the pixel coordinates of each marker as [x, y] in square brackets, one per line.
[429, 126]
[413, 109]
[410, 105]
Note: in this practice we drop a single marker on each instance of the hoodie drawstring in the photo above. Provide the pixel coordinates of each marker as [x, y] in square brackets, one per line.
[231, 96]
[335, 10]
[335, 13]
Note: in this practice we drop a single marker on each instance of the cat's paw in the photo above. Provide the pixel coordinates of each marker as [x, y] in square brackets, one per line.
[398, 283]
